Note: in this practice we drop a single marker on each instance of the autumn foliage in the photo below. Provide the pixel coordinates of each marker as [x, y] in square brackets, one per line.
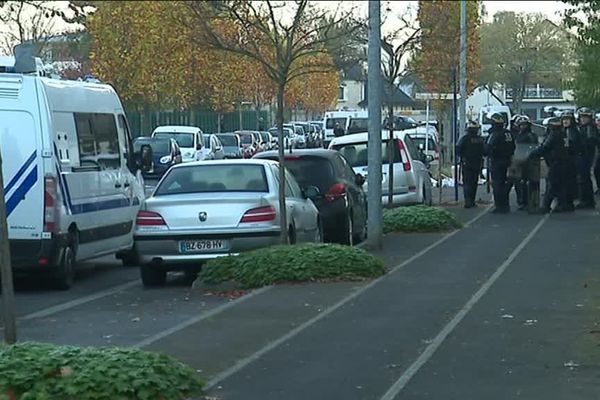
[149, 55]
[440, 43]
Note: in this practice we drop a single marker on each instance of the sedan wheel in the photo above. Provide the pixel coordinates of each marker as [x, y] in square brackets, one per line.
[348, 232]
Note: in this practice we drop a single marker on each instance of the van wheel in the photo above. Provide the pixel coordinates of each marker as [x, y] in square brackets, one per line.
[153, 276]
[65, 275]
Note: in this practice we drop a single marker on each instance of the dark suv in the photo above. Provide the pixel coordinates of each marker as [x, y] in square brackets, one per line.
[341, 202]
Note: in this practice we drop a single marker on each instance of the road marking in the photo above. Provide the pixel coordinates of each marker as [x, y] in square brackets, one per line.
[240, 364]
[210, 313]
[443, 334]
[79, 301]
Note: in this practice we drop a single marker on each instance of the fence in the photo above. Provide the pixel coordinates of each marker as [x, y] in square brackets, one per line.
[143, 123]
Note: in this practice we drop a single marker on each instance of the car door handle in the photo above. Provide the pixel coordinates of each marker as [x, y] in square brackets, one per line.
[117, 185]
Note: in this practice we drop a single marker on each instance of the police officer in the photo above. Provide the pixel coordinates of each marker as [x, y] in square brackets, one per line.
[555, 152]
[470, 150]
[589, 135]
[523, 136]
[500, 148]
[575, 149]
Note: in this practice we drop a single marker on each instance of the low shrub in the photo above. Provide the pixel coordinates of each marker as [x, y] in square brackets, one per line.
[39, 371]
[418, 219]
[297, 263]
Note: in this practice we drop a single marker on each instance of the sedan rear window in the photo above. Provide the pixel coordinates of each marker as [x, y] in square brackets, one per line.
[214, 178]
[310, 171]
[357, 153]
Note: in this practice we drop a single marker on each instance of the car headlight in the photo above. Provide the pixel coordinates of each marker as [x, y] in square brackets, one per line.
[165, 159]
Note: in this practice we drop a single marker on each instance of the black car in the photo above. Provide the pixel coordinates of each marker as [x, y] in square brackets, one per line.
[342, 203]
[165, 153]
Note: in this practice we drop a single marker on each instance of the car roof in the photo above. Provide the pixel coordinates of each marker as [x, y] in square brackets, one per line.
[177, 128]
[152, 139]
[250, 161]
[324, 153]
[364, 137]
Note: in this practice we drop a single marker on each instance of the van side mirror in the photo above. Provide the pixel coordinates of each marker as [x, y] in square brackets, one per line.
[199, 146]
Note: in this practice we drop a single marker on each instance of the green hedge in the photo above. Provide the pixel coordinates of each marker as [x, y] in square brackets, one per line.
[39, 371]
[418, 219]
[297, 263]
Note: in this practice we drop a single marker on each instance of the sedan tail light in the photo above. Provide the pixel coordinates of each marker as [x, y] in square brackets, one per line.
[260, 214]
[149, 218]
[404, 155]
[335, 192]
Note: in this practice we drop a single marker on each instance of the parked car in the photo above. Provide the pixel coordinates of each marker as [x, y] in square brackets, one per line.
[418, 136]
[288, 133]
[411, 181]
[231, 145]
[401, 122]
[213, 149]
[189, 138]
[165, 153]
[341, 201]
[266, 140]
[210, 209]
[250, 146]
[299, 138]
[258, 139]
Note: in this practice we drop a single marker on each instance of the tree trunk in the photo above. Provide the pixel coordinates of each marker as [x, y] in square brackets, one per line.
[390, 156]
[282, 209]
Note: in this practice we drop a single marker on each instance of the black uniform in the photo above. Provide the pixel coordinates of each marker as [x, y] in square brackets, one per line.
[589, 135]
[470, 149]
[524, 137]
[555, 151]
[500, 147]
[575, 150]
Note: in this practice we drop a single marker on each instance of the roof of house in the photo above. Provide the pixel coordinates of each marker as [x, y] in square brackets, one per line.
[398, 97]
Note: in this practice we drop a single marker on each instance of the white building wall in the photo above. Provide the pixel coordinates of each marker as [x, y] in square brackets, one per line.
[353, 94]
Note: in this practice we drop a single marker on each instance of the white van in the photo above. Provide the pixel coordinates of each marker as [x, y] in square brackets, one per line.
[189, 138]
[67, 165]
[486, 111]
[346, 119]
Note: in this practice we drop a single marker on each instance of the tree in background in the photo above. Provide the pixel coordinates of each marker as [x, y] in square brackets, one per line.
[584, 18]
[518, 49]
[278, 41]
[439, 45]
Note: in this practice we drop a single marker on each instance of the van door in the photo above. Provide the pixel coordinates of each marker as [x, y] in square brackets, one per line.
[23, 174]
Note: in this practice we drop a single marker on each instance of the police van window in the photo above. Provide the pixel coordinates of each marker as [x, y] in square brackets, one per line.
[107, 141]
[98, 140]
[86, 141]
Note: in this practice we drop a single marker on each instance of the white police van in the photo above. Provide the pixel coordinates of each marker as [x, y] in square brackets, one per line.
[69, 189]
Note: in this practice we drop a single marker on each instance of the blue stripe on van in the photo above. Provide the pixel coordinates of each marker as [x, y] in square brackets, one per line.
[99, 206]
[21, 191]
[20, 172]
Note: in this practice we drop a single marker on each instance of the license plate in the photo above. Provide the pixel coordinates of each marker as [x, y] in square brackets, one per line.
[201, 246]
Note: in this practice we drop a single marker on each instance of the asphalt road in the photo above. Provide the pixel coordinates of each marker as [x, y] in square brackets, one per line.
[504, 308]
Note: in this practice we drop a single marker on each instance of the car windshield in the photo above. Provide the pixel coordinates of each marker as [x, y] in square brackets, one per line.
[228, 140]
[264, 136]
[299, 130]
[207, 141]
[246, 138]
[182, 139]
[274, 132]
[358, 125]
[357, 153]
[420, 140]
[330, 123]
[214, 179]
[159, 146]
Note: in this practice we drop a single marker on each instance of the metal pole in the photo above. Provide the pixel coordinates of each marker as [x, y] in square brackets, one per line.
[463, 67]
[454, 133]
[426, 126]
[8, 293]
[374, 176]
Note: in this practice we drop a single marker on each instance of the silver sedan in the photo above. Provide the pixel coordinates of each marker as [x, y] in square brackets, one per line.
[203, 210]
